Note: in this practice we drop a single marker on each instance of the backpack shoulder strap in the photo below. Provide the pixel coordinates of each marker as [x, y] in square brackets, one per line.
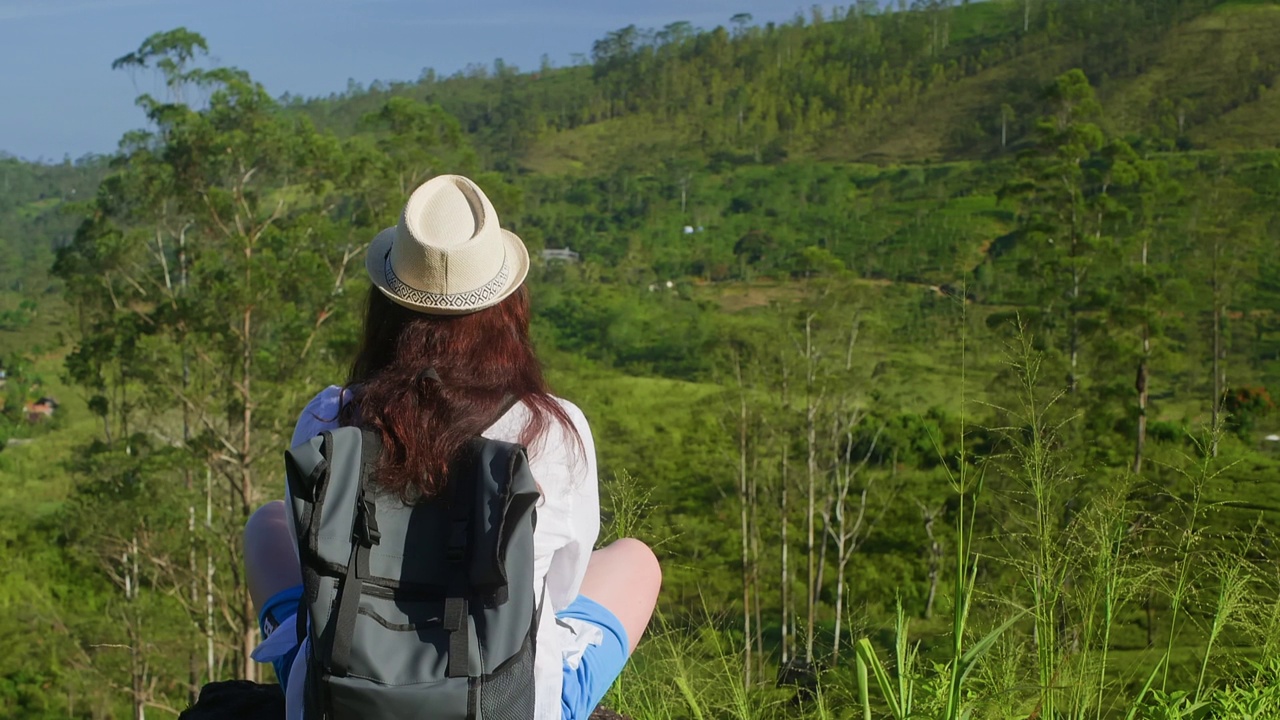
[364, 535]
[456, 604]
[459, 586]
[508, 401]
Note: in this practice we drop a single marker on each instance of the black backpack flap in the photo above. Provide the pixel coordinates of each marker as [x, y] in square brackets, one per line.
[335, 513]
[306, 479]
[502, 559]
[504, 493]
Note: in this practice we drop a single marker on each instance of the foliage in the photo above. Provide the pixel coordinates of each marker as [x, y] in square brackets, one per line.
[1245, 407]
[793, 364]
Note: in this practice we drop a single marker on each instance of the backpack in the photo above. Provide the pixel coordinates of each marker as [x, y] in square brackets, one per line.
[415, 611]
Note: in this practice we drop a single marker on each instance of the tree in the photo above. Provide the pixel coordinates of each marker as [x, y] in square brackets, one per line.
[1062, 198]
[1226, 237]
[848, 533]
[214, 250]
[1153, 193]
[415, 141]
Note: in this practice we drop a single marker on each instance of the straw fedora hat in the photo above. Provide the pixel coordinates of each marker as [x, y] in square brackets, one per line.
[448, 255]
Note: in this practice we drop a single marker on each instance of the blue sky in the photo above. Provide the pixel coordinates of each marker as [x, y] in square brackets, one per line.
[59, 96]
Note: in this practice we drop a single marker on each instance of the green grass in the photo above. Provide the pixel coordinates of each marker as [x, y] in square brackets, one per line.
[984, 20]
[1236, 6]
[597, 147]
[33, 480]
[1004, 653]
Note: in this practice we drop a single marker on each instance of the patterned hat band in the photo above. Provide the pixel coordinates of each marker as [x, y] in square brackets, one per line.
[479, 297]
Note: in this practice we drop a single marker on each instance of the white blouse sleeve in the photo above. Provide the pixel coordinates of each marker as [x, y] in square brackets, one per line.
[319, 415]
[581, 509]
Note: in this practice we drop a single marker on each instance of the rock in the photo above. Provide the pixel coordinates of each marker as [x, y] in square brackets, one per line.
[604, 713]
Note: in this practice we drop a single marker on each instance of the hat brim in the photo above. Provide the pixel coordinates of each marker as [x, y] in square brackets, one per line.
[517, 258]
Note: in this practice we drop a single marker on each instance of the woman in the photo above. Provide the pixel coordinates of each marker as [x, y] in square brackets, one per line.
[446, 341]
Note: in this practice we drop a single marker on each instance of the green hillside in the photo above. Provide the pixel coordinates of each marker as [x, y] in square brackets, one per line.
[983, 297]
[945, 83]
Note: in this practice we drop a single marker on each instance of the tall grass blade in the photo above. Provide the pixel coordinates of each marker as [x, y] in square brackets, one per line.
[824, 711]
[864, 692]
[1146, 688]
[866, 657]
[905, 660]
[687, 691]
[1233, 586]
[975, 653]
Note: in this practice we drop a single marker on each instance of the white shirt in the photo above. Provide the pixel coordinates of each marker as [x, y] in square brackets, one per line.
[568, 524]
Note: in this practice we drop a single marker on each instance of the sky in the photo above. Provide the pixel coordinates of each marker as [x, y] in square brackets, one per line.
[59, 96]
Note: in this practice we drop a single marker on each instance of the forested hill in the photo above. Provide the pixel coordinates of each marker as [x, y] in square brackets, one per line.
[883, 138]
[940, 81]
[944, 81]
[33, 215]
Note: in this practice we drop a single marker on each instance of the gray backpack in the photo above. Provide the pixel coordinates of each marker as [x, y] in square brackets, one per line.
[415, 611]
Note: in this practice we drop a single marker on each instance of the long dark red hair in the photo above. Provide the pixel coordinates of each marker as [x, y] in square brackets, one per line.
[480, 360]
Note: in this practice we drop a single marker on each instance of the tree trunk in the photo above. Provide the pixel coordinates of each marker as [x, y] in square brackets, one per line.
[248, 618]
[1073, 380]
[848, 533]
[842, 560]
[1141, 385]
[783, 521]
[193, 583]
[786, 578]
[753, 492]
[137, 666]
[821, 580]
[744, 507]
[811, 468]
[935, 563]
[208, 573]
[193, 691]
[1141, 441]
[1219, 373]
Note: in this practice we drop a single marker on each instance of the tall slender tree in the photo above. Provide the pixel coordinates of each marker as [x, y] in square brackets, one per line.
[220, 220]
[1058, 192]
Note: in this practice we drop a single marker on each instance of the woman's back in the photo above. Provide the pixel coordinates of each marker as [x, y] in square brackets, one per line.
[445, 346]
[568, 523]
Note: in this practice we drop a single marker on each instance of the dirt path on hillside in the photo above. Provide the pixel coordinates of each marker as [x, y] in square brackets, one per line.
[737, 295]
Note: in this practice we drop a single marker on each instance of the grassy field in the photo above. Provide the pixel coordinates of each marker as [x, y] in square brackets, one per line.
[32, 480]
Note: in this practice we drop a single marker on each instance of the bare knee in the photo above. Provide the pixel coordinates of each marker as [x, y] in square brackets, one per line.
[625, 578]
[265, 520]
[271, 563]
[640, 562]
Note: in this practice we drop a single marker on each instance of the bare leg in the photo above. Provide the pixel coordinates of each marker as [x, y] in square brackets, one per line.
[625, 578]
[270, 560]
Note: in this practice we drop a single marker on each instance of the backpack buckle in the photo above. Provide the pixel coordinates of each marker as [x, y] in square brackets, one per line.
[366, 530]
